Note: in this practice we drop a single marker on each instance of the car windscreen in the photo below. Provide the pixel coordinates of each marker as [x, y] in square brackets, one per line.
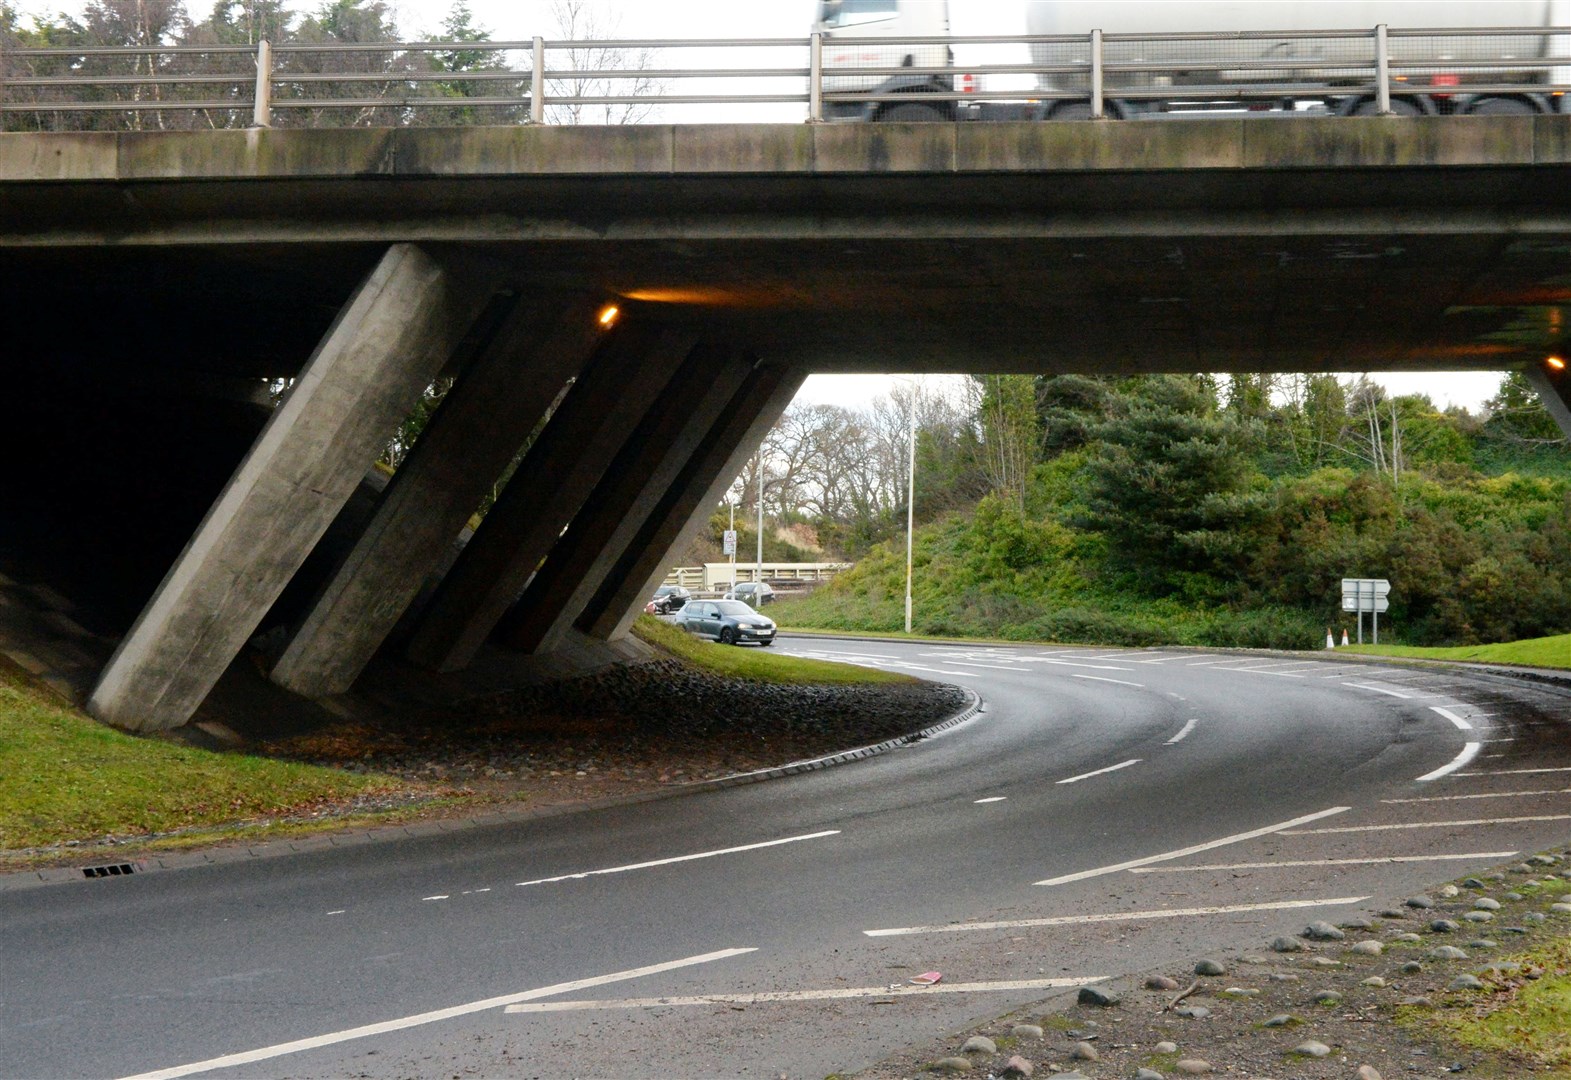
[734, 607]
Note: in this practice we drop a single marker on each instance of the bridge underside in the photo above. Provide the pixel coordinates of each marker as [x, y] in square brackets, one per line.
[155, 283]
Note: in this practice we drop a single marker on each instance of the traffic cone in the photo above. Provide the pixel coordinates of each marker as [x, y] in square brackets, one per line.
[1330, 644]
[1344, 635]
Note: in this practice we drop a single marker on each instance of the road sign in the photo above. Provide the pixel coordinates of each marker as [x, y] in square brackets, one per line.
[1365, 594]
[730, 541]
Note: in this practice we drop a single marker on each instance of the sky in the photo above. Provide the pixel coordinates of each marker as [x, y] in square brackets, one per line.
[516, 20]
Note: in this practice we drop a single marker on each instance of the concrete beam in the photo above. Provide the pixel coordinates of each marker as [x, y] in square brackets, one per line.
[487, 415]
[1555, 392]
[622, 383]
[688, 502]
[387, 343]
[677, 436]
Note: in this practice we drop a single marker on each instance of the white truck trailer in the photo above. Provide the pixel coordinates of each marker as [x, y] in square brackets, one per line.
[1138, 58]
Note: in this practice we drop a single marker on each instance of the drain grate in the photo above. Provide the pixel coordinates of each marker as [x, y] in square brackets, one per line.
[112, 870]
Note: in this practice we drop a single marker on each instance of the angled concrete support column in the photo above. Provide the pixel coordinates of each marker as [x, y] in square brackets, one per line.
[391, 338]
[688, 502]
[485, 418]
[622, 382]
[1555, 392]
[672, 459]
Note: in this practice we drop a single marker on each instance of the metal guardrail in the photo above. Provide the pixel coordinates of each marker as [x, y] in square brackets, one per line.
[298, 83]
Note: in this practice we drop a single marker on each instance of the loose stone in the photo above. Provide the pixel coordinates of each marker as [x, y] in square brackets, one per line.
[1210, 967]
[979, 1044]
[1366, 1072]
[1419, 902]
[1368, 948]
[1375, 981]
[1560, 909]
[1466, 982]
[1104, 999]
[1084, 1051]
[1328, 997]
[1479, 916]
[1407, 937]
[1534, 916]
[1514, 896]
[1017, 1066]
[1193, 1012]
[1544, 860]
[1420, 1002]
[1443, 926]
[1282, 1020]
[1161, 982]
[1148, 1074]
[1393, 913]
[1325, 962]
[1254, 958]
[1241, 992]
[1481, 943]
[1312, 1049]
[1286, 944]
[1283, 976]
[1447, 952]
[950, 1065]
[1449, 891]
[1412, 967]
[1166, 1047]
[1192, 1067]
[1357, 923]
[1485, 903]
[1474, 883]
[1321, 931]
[1026, 1031]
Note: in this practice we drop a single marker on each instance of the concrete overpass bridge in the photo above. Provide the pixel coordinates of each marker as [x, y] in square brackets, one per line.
[156, 284]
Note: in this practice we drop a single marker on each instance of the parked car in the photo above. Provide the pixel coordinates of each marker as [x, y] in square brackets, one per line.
[668, 598]
[754, 593]
[729, 622]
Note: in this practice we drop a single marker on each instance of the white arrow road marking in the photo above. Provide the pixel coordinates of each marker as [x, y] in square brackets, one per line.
[1469, 752]
[1099, 772]
[1322, 862]
[1116, 916]
[1187, 728]
[250, 1057]
[1169, 856]
[839, 993]
[681, 858]
[1426, 825]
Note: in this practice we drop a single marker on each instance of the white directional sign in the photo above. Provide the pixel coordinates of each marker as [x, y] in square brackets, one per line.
[1365, 594]
[730, 541]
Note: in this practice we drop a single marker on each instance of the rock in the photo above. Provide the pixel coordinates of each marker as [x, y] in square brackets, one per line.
[1544, 860]
[1419, 1002]
[1327, 997]
[1282, 1020]
[979, 1044]
[949, 1065]
[1484, 903]
[1103, 999]
[1443, 926]
[1530, 883]
[1192, 1067]
[1084, 1051]
[1325, 962]
[1374, 981]
[1321, 931]
[1419, 902]
[1148, 1074]
[1359, 923]
[1283, 976]
[1367, 948]
[1560, 909]
[1166, 1047]
[1466, 982]
[1481, 943]
[1449, 891]
[1192, 1012]
[1026, 1031]
[1254, 958]
[1447, 952]
[1412, 967]
[1393, 913]
[1513, 929]
[1286, 944]
[1313, 1049]
[1514, 896]
[1407, 937]
[1479, 916]
[1521, 868]
[1366, 1072]
[1017, 1066]
[1534, 916]
[1161, 982]
[1474, 883]
[1210, 967]
[1240, 992]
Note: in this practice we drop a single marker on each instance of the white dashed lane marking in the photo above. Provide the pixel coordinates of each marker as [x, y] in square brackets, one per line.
[1115, 916]
[1377, 689]
[837, 994]
[1468, 753]
[1426, 825]
[1099, 772]
[1484, 795]
[1514, 772]
[993, 798]
[1098, 678]
[681, 858]
[1325, 862]
[1185, 730]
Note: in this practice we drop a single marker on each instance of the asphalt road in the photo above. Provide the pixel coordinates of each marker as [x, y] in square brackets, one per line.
[1108, 811]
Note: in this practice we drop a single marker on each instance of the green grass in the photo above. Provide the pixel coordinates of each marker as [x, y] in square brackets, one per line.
[1553, 652]
[70, 778]
[1531, 1023]
[762, 665]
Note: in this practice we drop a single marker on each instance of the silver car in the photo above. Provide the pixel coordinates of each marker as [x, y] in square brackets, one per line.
[729, 622]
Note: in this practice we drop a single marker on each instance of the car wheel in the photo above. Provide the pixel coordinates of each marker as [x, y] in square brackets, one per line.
[727, 636]
[768, 643]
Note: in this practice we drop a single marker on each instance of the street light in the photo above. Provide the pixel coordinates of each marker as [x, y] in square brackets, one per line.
[910, 506]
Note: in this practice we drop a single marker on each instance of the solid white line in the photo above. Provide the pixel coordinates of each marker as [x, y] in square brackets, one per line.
[1071, 663]
[1265, 671]
[1377, 689]
[1469, 752]
[839, 993]
[682, 858]
[1513, 772]
[934, 670]
[1187, 728]
[1099, 772]
[1116, 916]
[1453, 717]
[340, 911]
[978, 663]
[1171, 855]
[252, 1056]
[1485, 795]
[994, 798]
[1428, 825]
[1322, 862]
[1098, 678]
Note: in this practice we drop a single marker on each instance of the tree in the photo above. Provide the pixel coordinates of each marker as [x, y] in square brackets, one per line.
[1517, 414]
[585, 20]
[1006, 414]
[459, 26]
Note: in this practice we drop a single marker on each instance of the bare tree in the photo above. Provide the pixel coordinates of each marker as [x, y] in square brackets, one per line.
[606, 71]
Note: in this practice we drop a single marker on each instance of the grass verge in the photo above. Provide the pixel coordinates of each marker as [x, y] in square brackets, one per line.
[71, 779]
[1550, 652]
[759, 664]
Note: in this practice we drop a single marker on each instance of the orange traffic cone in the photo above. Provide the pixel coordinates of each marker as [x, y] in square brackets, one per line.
[1344, 635]
[1330, 643]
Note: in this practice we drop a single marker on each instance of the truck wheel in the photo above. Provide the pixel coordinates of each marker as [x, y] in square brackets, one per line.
[911, 113]
[1501, 106]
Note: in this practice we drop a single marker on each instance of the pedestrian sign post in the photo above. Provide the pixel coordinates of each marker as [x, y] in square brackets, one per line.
[1366, 594]
[730, 541]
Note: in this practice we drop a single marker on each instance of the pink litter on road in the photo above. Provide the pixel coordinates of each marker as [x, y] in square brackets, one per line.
[927, 978]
